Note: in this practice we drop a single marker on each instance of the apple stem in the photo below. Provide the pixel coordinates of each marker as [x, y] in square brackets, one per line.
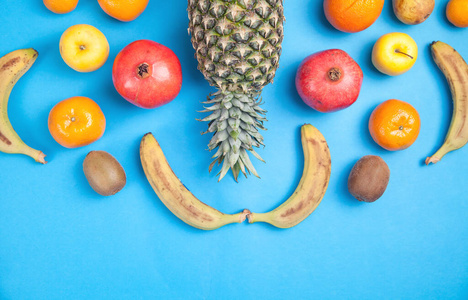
[398, 51]
[334, 74]
[82, 47]
[143, 70]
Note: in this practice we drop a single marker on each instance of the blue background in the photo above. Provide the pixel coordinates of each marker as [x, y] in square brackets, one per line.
[61, 240]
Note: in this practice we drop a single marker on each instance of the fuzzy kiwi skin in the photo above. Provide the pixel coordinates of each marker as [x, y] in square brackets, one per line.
[104, 173]
[369, 178]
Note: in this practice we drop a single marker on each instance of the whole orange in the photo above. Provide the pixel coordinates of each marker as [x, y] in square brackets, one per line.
[76, 122]
[123, 10]
[352, 15]
[394, 125]
[60, 6]
[457, 12]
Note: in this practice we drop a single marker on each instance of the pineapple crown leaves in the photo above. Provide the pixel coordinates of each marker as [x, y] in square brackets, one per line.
[234, 121]
[237, 45]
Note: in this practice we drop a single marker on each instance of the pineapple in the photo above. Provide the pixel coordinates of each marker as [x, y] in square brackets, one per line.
[238, 45]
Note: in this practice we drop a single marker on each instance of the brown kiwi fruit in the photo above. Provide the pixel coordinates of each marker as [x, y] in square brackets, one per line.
[369, 178]
[104, 173]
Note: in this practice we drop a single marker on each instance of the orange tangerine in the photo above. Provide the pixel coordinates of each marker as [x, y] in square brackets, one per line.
[60, 6]
[352, 15]
[394, 125]
[123, 10]
[76, 122]
[457, 12]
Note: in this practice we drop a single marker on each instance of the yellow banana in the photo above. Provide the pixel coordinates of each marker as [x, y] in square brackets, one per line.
[311, 188]
[12, 67]
[177, 198]
[455, 70]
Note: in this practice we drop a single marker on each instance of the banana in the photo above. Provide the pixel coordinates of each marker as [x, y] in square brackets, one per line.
[455, 70]
[12, 67]
[177, 198]
[311, 188]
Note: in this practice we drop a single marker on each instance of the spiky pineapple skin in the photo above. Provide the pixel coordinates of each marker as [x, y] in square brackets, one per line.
[237, 42]
[238, 45]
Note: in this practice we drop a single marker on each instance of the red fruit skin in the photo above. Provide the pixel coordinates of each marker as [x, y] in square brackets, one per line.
[317, 90]
[164, 77]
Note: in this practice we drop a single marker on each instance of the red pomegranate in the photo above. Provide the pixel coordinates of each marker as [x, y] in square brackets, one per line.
[329, 80]
[147, 74]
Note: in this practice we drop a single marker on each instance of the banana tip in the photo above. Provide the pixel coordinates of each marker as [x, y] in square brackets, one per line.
[40, 158]
[432, 160]
[250, 217]
[244, 214]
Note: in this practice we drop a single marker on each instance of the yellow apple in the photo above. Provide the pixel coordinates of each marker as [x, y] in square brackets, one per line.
[394, 53]
[84, 48]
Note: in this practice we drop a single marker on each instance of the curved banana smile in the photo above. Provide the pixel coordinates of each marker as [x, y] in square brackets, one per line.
[180, 201]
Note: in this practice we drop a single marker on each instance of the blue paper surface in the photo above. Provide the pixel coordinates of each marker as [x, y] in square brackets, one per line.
[61, 240]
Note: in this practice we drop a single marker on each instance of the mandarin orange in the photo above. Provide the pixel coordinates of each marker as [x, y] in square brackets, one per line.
[76, 122]
[60, 6]
[123, 10]
[352, 15]
[394, 125]
[457, 12]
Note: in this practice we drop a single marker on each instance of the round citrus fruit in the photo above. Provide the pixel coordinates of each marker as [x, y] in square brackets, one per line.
[60, 6]
[123, 10]
[394, 125]
[76, 122]
[457, 12]
[352, 15]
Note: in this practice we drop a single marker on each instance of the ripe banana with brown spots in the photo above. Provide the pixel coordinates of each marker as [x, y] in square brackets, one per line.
[12, 67]
[311, 188]
[177, 198]
[455, 70]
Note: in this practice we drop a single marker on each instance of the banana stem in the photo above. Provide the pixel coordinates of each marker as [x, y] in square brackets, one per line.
[439, 154]
[237, 218]
[258, 217]
[36, 154]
